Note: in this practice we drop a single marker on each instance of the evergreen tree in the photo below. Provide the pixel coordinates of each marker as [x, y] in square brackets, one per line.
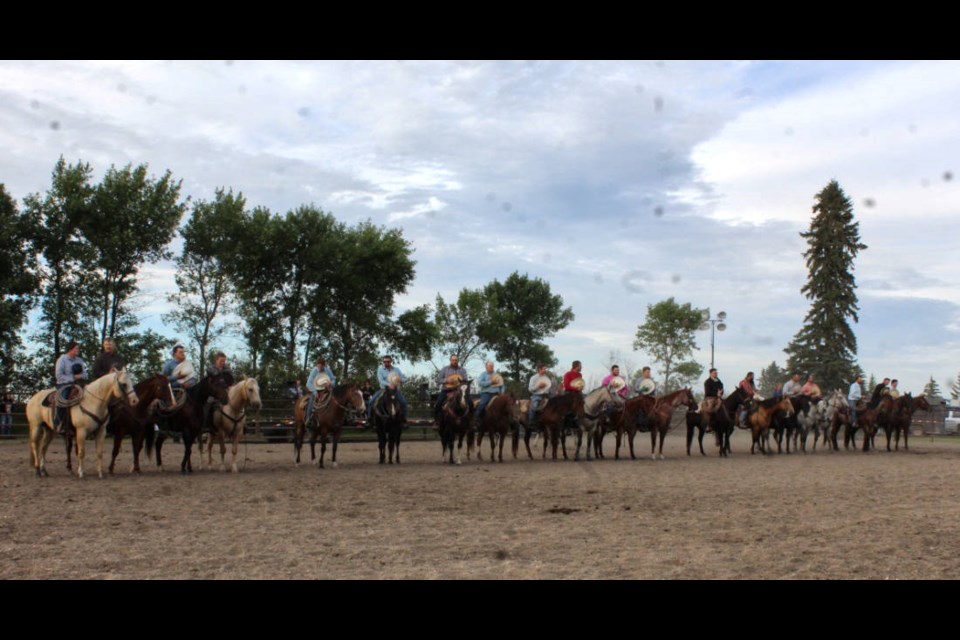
[769, 378]
[932, 389]
[826, 345]
[955, 389]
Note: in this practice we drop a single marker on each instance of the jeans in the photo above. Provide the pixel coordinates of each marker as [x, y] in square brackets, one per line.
[485, 399]
[5, 421]
[376, 397]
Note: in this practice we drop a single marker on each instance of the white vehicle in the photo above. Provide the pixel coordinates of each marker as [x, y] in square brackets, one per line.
[951, 423]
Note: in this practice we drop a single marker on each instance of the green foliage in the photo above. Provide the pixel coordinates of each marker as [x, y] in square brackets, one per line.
[18, 281]
[413, 335]
[769, 378]
[144, 352]
[458, 326]
[826, 345]
[932, 389]
[667, 335]
[520, 313]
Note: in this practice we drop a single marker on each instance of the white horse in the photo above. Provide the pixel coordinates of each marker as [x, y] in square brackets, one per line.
[89, 416]
[594, 404]
[230, 419]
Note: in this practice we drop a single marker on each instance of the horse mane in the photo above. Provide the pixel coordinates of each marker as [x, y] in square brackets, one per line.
[341, 389]
[772, 402]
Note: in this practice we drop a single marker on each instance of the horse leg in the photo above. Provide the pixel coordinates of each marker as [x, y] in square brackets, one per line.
[480, 445]
[653, 443]
[382, 443]
[323, 449]
[158, 446]
[690, 438]
[236, 445]
[906, 437]
[81, 450]
[313, 444]
[616, 453]
[297, 444]
[700, 442]
[117, 439]
[138, 439]
[333, 454]
[69, 444]
[395, 441]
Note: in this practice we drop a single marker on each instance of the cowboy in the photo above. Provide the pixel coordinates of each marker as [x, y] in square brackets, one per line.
[646, 386]
[490, 384]
[878, 391]
[793, 386]
[448, 383]
[107, 361]
[319, 383]
[749, 388]
[893, 390]
[539, 387]
[854, 395]
[178, 369]
[384, 374]
[220, 369]
[574, 374]
[812, 389]
[70, 370]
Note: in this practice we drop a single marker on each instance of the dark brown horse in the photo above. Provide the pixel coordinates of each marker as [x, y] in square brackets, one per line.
[760, 419]
[870, 421]
[789, 425]
[326, 420]
[661, 415]
[187, 418]
[137, 422]
[902, 417]
[627, 421]
[553, 419]
[388, 421]
[501, 414]
[456, 423]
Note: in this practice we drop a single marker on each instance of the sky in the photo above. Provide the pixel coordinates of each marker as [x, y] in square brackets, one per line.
[619, 183]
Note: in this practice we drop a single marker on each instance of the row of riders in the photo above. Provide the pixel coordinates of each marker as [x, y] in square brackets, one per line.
[177, 399]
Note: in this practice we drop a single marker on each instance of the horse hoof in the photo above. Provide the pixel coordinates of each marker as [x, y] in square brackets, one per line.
[334, 465]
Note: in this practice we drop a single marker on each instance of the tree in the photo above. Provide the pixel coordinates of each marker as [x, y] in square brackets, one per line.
[932, 389]
[667, 335]
[145, 352]
[18, 281]
[826, 345]
[458, 326]
[130, 222]
[65, 288]
[871, 383]
[955, 389]
[202, 279]
[521, 312]
[769, 378]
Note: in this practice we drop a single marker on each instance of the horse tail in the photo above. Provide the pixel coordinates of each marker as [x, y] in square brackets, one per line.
[149, 439]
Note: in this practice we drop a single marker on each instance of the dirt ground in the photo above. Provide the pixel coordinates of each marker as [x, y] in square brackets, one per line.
[825, 515]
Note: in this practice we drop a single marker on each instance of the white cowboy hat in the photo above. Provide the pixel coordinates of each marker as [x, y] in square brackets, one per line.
[496, 380]
[577, 384]
[394, 379]
[322, 381]
[616, 383]
[184, 370]
[453, 380]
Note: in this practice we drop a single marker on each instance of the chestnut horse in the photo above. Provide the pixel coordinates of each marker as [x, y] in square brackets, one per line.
[138, 421]
[88, 417]
[326, 420]
[552, 421]
[902, 417]
[627, 421]
[501, 414]
[661, 415]
[456, 422]
[760, 418]
[230, 419]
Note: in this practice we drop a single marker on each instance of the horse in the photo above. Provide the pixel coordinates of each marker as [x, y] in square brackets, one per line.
[594, 405]
[326, 420]
[186, 417]
[523, 423]
[759, 420]
[501, 413]
[903, 417]
[628, 420]
[456, 417]
[723, 420]
[869, 420]
[388, 421]
[138, 421]
[551, 421]
[662, 412]
[229, 420]
[89, 416]
[803, 418]
[696, 420]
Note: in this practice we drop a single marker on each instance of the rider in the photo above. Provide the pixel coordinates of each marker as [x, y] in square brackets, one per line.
[812, 389]
[878, 392]
[384, 372]
[854, 395]
[750, 388]
[320, 381]
[107, 360]
[222, 369]
[490, 384]
[178, 369]
[792, 386]
[539, 387]
[447, 384]
[574, 374]
[645, 387]
[70, 370]
[623, 391]
[893, 391]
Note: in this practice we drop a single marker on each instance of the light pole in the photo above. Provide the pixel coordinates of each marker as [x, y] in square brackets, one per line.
[714, 324]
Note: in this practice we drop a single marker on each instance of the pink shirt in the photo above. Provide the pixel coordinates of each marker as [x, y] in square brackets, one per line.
[607, 380]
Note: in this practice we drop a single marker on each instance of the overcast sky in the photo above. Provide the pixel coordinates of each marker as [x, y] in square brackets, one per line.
[619, 183]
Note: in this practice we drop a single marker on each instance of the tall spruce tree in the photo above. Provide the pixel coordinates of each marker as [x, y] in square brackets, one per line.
[826, 345]
[932, 389]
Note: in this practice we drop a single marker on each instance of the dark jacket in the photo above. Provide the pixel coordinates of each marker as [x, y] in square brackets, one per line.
[712, 388]
[104, 362]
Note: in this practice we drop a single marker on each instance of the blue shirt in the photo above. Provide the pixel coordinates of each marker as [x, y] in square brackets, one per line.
[65, 369]
[312, 378]
[484, 383]
[383, 372]
[174, 380]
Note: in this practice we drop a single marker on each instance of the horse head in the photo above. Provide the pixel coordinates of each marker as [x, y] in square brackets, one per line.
[125, 387]
[252, 390]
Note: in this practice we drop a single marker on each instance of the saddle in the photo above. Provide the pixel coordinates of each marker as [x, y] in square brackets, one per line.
[64, 397]
[537, 404]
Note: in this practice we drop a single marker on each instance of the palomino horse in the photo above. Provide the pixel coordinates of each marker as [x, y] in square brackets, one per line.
[228, 420]
[388, 421]
[552, 419]
[501, 413]
[186, 417]
[595, 405]
[906, 405]
[659, 418]
[760, 418]
[89, 416]
[327, 420]
[138, 421]
[456, 422]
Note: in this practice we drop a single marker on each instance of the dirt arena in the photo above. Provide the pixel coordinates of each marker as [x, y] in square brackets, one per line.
[826, 515]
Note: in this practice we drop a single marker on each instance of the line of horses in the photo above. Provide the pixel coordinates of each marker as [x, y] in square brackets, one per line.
[134, 410]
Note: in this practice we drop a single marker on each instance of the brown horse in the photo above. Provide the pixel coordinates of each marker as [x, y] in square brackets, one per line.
[456, 423]
[869, 420]
[902, 417]
[501, 414]
[661, 415]
[627, 421]
[137, 422]
[552, 420]
[326, 420]
[761, 417]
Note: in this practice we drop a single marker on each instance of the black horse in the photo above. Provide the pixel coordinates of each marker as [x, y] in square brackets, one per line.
[388, 421]
[456, 422]
[187, 420]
